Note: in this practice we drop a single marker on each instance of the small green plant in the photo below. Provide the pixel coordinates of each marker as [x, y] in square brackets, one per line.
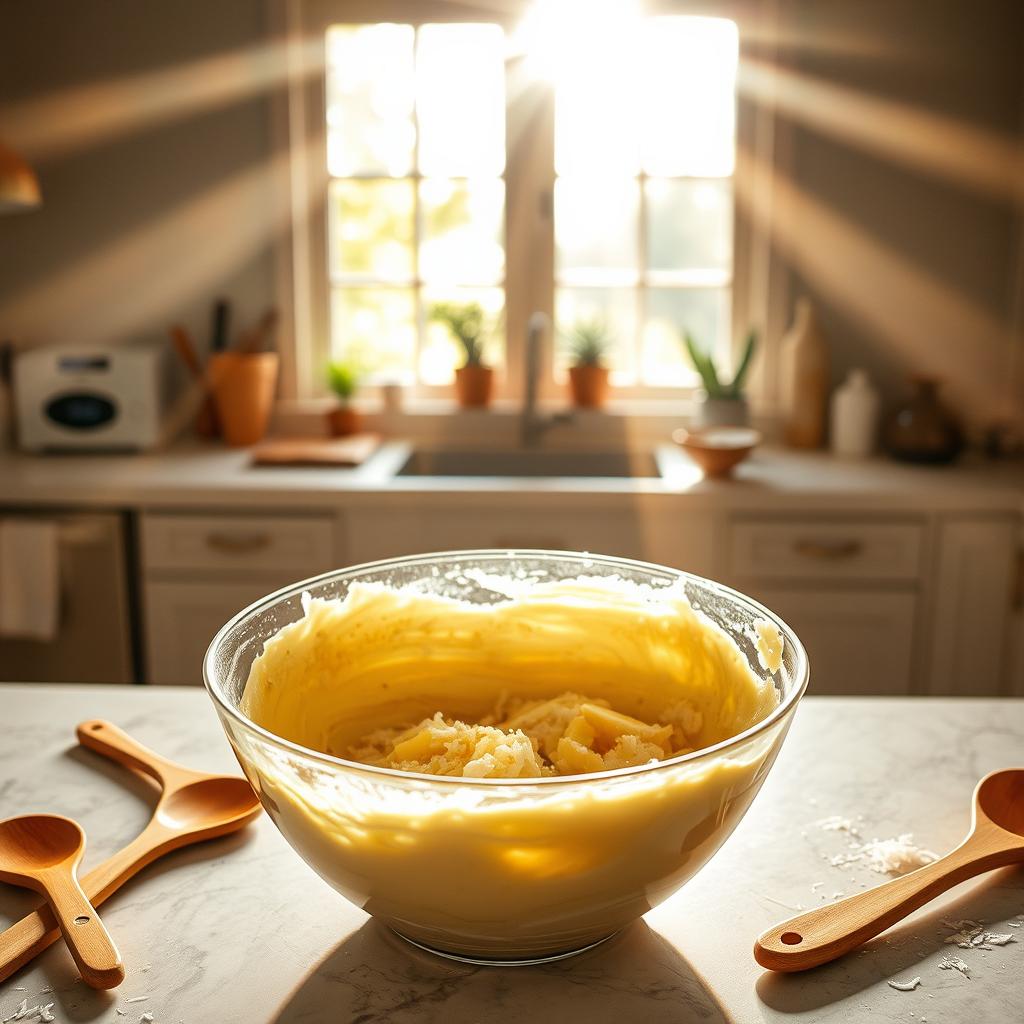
[465, 320]
[589, 341]
[343, 379]
[705, 366]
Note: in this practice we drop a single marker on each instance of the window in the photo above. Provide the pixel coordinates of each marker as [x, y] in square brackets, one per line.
[460, 163]
[644, 153]
[416, 198]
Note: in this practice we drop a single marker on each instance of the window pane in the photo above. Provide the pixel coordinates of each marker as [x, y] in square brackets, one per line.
[595, 109]
[441, 353]
[463, 227]
[370, 229]
[687, 105]
[376, 327]
[370, 96]
[689, 225]
[460, 85]
[704, 312]
[596, 229]
[616, 308]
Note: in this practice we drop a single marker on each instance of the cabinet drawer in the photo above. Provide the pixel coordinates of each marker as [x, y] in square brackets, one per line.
[291, 545]
[837, 550]
[858, 642]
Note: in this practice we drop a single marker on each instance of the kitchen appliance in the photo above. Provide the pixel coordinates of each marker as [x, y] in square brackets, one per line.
[111, 398]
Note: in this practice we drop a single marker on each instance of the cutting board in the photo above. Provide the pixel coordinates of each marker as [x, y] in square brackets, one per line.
[316, 451]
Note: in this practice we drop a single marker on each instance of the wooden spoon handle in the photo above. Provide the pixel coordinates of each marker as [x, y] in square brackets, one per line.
[110, 741]
[822, 935]
[91, 945]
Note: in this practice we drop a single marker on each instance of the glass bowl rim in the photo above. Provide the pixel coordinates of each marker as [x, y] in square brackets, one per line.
[785, 707]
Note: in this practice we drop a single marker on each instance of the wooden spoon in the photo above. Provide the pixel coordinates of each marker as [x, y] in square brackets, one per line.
[995, 840]
[193, 806]
[42, 852]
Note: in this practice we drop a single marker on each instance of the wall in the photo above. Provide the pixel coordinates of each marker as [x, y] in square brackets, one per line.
[915, 263]
[148, 123]
[148, 126]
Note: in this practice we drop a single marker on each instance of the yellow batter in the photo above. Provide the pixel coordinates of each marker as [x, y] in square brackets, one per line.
[559, 679]
[353, 677]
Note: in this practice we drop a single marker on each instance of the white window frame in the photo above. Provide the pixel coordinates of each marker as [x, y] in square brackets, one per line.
[761, 285]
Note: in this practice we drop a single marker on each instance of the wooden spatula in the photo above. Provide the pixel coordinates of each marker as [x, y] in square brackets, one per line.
[995, 840]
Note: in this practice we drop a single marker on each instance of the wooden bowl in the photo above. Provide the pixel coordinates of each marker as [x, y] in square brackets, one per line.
[717, 450]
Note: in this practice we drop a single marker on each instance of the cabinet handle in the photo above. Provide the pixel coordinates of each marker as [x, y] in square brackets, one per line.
[237, 544]
[831, 550]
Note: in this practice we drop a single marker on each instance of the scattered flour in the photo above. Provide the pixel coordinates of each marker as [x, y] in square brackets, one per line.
[954, 963]
[837, 823]
[905, 986]
[887, 856]
[26, 1013]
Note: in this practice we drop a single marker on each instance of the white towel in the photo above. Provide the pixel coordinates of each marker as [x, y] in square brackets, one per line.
[29, 578]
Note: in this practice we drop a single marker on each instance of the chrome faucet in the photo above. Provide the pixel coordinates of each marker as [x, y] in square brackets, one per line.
[532, 425]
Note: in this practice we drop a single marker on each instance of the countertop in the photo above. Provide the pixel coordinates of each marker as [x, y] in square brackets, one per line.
[211, 476]
[240, 931]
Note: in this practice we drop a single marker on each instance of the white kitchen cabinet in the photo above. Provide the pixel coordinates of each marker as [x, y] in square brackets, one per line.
[973, 594]
[859, 642]
[653, 535]
[293, 545]
[826, 549]
[181, 620]
[199, 570]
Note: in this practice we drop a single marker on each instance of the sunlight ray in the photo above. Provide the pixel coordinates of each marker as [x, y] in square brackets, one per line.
[923, 319]
[969, 155]
[89, 114]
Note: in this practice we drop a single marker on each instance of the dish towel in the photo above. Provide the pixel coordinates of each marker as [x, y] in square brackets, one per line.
[29, 578]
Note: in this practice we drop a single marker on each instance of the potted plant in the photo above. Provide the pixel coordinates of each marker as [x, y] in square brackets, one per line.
[474, 382]
[722, 404]
[588, 342]
[343, 379]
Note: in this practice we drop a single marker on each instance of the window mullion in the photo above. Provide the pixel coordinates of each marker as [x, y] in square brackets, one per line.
[641, 281]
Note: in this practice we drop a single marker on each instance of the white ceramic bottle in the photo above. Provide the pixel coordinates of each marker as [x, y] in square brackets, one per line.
[804, 380]
[854, 424]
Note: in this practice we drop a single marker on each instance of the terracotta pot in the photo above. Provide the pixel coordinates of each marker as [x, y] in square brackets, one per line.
[474, 386]
[243, 387]
[589, 386]
[722, 412]
[343, 421]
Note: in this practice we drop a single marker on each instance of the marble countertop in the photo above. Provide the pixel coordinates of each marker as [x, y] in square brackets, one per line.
[210, 476]
[240, 931]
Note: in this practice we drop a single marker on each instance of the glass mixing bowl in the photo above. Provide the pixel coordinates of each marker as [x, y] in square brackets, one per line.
[504, 870]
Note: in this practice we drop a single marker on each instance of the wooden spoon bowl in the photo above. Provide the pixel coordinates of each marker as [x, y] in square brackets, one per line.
[36, 841]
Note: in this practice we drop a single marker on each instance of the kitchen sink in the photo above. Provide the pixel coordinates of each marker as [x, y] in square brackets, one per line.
[452, 462]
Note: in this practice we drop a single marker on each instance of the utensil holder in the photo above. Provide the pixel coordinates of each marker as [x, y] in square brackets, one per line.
[243, 385]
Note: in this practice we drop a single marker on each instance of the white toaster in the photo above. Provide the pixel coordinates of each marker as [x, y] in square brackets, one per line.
[115, 398]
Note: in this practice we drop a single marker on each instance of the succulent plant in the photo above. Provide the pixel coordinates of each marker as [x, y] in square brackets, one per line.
[588, 341]
[465, 320]
[705, 366]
